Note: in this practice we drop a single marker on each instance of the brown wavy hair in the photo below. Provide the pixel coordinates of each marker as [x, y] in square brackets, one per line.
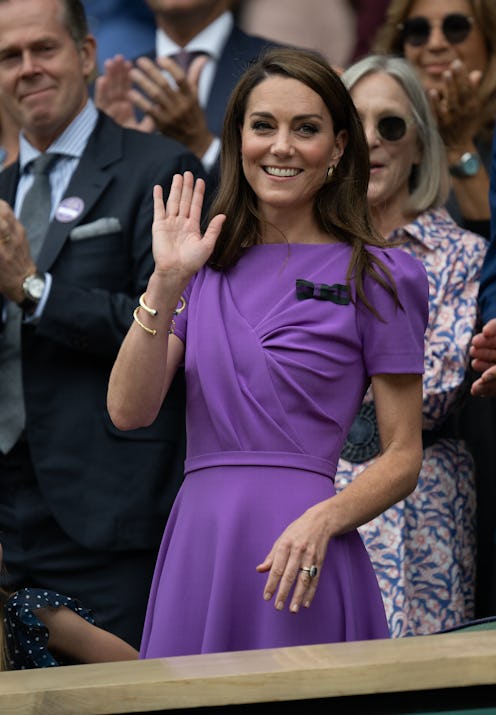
[340, 205]
[388, 41]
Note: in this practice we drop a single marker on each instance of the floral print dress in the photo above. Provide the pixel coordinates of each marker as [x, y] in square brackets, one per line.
[424, 548]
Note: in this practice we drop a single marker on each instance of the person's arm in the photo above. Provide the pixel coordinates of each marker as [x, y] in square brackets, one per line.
[457, 110]
[80, 641]
[398, 401]
[147, 360]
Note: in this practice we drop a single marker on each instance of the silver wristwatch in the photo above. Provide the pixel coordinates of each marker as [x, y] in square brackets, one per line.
[467, 165]
[33, 287]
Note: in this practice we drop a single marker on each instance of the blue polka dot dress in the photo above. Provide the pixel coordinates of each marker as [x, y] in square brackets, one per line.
[26, 635]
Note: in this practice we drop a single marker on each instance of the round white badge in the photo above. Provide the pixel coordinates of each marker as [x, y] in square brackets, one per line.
[69, 209]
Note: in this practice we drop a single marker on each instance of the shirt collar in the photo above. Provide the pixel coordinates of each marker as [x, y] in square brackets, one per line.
[71, 142]
[428, 229]
[211, 40]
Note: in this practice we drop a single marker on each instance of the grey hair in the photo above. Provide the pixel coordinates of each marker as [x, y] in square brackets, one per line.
[429, 180]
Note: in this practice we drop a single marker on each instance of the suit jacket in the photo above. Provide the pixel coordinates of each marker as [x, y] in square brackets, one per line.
[239, 50]
[487, 289]
[107, 489]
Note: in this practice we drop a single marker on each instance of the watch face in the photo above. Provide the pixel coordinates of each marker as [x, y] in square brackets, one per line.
[34, 286]
[471, 165]
[468, 165]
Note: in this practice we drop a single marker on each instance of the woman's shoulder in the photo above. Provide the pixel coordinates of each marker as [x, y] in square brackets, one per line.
[409, 276]
[398, 261]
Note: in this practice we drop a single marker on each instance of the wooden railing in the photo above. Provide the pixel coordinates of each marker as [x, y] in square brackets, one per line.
[454, 664]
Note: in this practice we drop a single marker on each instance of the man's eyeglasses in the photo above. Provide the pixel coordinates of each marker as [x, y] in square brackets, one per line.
[416, 31]
[392, 128]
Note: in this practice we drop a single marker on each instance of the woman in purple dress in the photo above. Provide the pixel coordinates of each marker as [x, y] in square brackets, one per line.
[283, 312]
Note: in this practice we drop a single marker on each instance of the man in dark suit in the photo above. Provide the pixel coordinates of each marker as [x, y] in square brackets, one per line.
[481, 417]
[82, 505]
[483, 350]
[187, 104]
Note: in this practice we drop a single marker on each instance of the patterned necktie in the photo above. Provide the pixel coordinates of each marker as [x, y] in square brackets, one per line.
[36, 207]
[184, 58]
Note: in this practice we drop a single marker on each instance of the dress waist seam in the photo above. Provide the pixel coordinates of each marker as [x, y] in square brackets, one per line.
[291, 460]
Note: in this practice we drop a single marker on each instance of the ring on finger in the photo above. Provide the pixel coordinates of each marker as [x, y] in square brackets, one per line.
[312, 571]
[6, 238]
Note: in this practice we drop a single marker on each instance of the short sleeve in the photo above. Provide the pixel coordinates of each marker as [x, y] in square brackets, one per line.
[26, 635]
[395, 343]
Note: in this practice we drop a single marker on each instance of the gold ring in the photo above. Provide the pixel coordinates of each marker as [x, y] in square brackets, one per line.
[7, 238]
[312, 571]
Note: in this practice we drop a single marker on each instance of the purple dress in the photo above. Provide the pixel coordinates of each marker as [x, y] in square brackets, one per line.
[273, 384]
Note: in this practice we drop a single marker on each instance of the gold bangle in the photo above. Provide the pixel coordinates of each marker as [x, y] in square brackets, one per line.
[150, 311]
[180, 306]
[150, 331]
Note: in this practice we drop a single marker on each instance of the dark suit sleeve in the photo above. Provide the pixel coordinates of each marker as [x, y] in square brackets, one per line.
[487, 290]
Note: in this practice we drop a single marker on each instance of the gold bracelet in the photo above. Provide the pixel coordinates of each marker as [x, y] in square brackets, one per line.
[150, 311]
[150, 331]
[180, 306]
[179, 309]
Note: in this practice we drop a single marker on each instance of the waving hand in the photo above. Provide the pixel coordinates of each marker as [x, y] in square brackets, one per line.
[178, 244]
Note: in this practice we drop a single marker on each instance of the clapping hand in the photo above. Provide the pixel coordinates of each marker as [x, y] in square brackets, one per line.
[483, 356]
[113, 95]
[173, 107]
[170, 108]
[457, 106]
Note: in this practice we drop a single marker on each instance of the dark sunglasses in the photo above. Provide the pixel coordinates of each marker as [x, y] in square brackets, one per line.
[393, 128]
[416, 30]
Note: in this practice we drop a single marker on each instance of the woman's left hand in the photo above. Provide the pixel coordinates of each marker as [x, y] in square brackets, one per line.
[302, 545]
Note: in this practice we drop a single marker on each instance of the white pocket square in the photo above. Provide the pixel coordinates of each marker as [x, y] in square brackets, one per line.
[96, 228]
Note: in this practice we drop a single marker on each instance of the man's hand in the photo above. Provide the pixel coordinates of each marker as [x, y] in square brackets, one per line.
[483, 360]
[15, 257]
[113, 95]
[174, 110]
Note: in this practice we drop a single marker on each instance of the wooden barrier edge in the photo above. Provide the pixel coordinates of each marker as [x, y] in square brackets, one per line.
[454, 660]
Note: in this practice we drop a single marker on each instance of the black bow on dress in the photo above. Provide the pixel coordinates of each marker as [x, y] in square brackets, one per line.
[337, 293]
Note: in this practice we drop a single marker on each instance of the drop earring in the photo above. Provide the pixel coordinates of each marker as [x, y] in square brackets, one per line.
[330, 172]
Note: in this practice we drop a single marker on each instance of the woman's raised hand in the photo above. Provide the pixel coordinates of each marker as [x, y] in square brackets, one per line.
[178, 244]
[457, 108]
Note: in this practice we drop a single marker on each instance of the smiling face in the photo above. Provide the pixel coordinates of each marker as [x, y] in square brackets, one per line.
[391, 162]
[433, 58]
[287, 145]
[43, 74]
